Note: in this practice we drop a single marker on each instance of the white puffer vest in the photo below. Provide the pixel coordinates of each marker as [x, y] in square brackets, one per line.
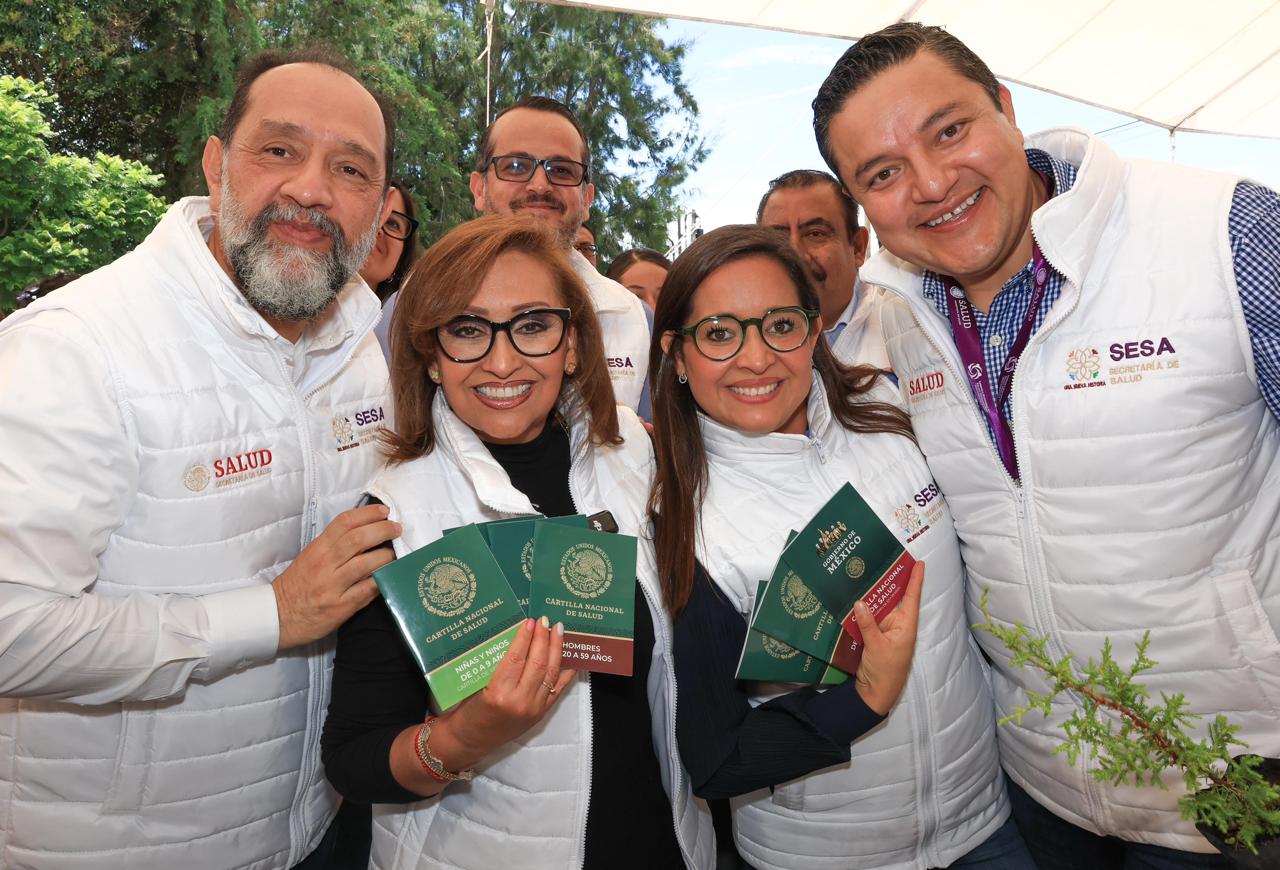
[861, 342]
[527, 808]
[624, 329]
[237, 469]
[1150, 494]
[924, 787]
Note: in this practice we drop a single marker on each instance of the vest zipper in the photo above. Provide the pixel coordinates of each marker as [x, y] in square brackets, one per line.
[297, 832]
[1030, 558]
[928, 819]
[589, 727]
[924, 750]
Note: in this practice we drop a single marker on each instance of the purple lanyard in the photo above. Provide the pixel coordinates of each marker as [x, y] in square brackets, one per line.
[965, 328]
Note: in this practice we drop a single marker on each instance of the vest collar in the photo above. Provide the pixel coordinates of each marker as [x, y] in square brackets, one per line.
[487, 477]
[1069, 227]
[725, 442]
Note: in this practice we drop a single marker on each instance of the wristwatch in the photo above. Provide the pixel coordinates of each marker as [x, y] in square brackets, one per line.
[434, 766]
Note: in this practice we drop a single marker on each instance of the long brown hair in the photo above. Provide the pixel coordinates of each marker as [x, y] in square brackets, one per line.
[443, 281]
[679, 486]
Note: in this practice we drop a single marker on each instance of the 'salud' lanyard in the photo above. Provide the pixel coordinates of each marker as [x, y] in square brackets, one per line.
[965, 328]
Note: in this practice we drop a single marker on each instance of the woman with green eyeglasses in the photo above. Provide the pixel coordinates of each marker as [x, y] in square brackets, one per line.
[504, 408]
[756, 426]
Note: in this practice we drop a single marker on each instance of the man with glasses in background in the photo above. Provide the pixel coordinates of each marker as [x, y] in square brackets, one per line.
[821, 221]
[534, 160]
[585, 244]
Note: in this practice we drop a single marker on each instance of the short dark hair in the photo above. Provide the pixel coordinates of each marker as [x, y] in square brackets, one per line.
[537, 104]
[801, 178]
[257, 64]
[875, 53]
[627, 259]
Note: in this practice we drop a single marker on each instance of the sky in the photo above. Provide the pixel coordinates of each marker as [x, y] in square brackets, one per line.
[754, 87]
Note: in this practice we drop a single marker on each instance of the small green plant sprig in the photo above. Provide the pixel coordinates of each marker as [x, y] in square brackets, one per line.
[1135, 740]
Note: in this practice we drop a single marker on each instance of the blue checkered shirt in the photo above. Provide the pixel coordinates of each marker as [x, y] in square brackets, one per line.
[1254, 228]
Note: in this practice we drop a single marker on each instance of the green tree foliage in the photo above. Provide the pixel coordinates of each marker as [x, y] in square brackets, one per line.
[60, 213]
[150, 81]
[147, 81]
[625, 84]
[1135, 740]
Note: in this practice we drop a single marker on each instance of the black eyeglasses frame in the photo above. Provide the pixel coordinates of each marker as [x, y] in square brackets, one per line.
[564, 314]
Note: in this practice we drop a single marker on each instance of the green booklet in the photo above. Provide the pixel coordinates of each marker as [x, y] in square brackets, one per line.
[771, 660]
[587, 580]
[845, 554]
[512, 544]
[455, 609]
[788, 611]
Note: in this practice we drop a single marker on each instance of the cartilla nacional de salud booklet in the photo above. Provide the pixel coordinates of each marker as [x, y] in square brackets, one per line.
[767, 659]
[846, 554]
[587, 580]
[456, 610]
[512, 544]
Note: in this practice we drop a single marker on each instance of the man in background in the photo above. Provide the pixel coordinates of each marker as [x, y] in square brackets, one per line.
[822, 222]
[585, 244]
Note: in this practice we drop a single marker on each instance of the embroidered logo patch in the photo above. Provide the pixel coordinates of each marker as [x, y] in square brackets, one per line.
[1140, 359]
[925, 386]
[196, 477]
[1084, 369]
[352, 431]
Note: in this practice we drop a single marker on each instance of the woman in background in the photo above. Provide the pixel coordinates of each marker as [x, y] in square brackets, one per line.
[641, 271]
[393, 255]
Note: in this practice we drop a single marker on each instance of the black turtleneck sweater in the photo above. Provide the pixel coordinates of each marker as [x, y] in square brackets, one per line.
[378, 691]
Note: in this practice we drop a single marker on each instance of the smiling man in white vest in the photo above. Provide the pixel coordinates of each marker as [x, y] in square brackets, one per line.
[184, 432]
[1089, 348]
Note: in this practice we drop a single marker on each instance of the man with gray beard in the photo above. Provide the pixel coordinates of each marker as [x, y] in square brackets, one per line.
[184, 434]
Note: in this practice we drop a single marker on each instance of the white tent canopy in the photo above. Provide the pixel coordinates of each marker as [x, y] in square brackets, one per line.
[1204, 67]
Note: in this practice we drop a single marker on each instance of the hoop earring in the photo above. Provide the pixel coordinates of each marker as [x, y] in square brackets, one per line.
[682, 378]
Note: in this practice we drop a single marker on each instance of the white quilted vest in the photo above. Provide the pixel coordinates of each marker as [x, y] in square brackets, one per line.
[623, 327]
[1150, 494]
[924, 787]
[527, 808]
[238, 471]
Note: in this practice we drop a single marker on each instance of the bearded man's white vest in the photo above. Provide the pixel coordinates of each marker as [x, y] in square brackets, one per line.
[1150, 493]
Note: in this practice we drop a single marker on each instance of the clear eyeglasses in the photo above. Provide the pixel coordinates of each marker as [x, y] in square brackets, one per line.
[537, 332]
[520, 167]
[720, 336]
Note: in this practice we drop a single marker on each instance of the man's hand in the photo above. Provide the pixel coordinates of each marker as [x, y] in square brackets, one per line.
[330, 580]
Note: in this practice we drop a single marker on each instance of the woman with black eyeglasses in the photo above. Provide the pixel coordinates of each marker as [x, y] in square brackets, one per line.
[756, 426]
[396, 247]
[503, 407]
